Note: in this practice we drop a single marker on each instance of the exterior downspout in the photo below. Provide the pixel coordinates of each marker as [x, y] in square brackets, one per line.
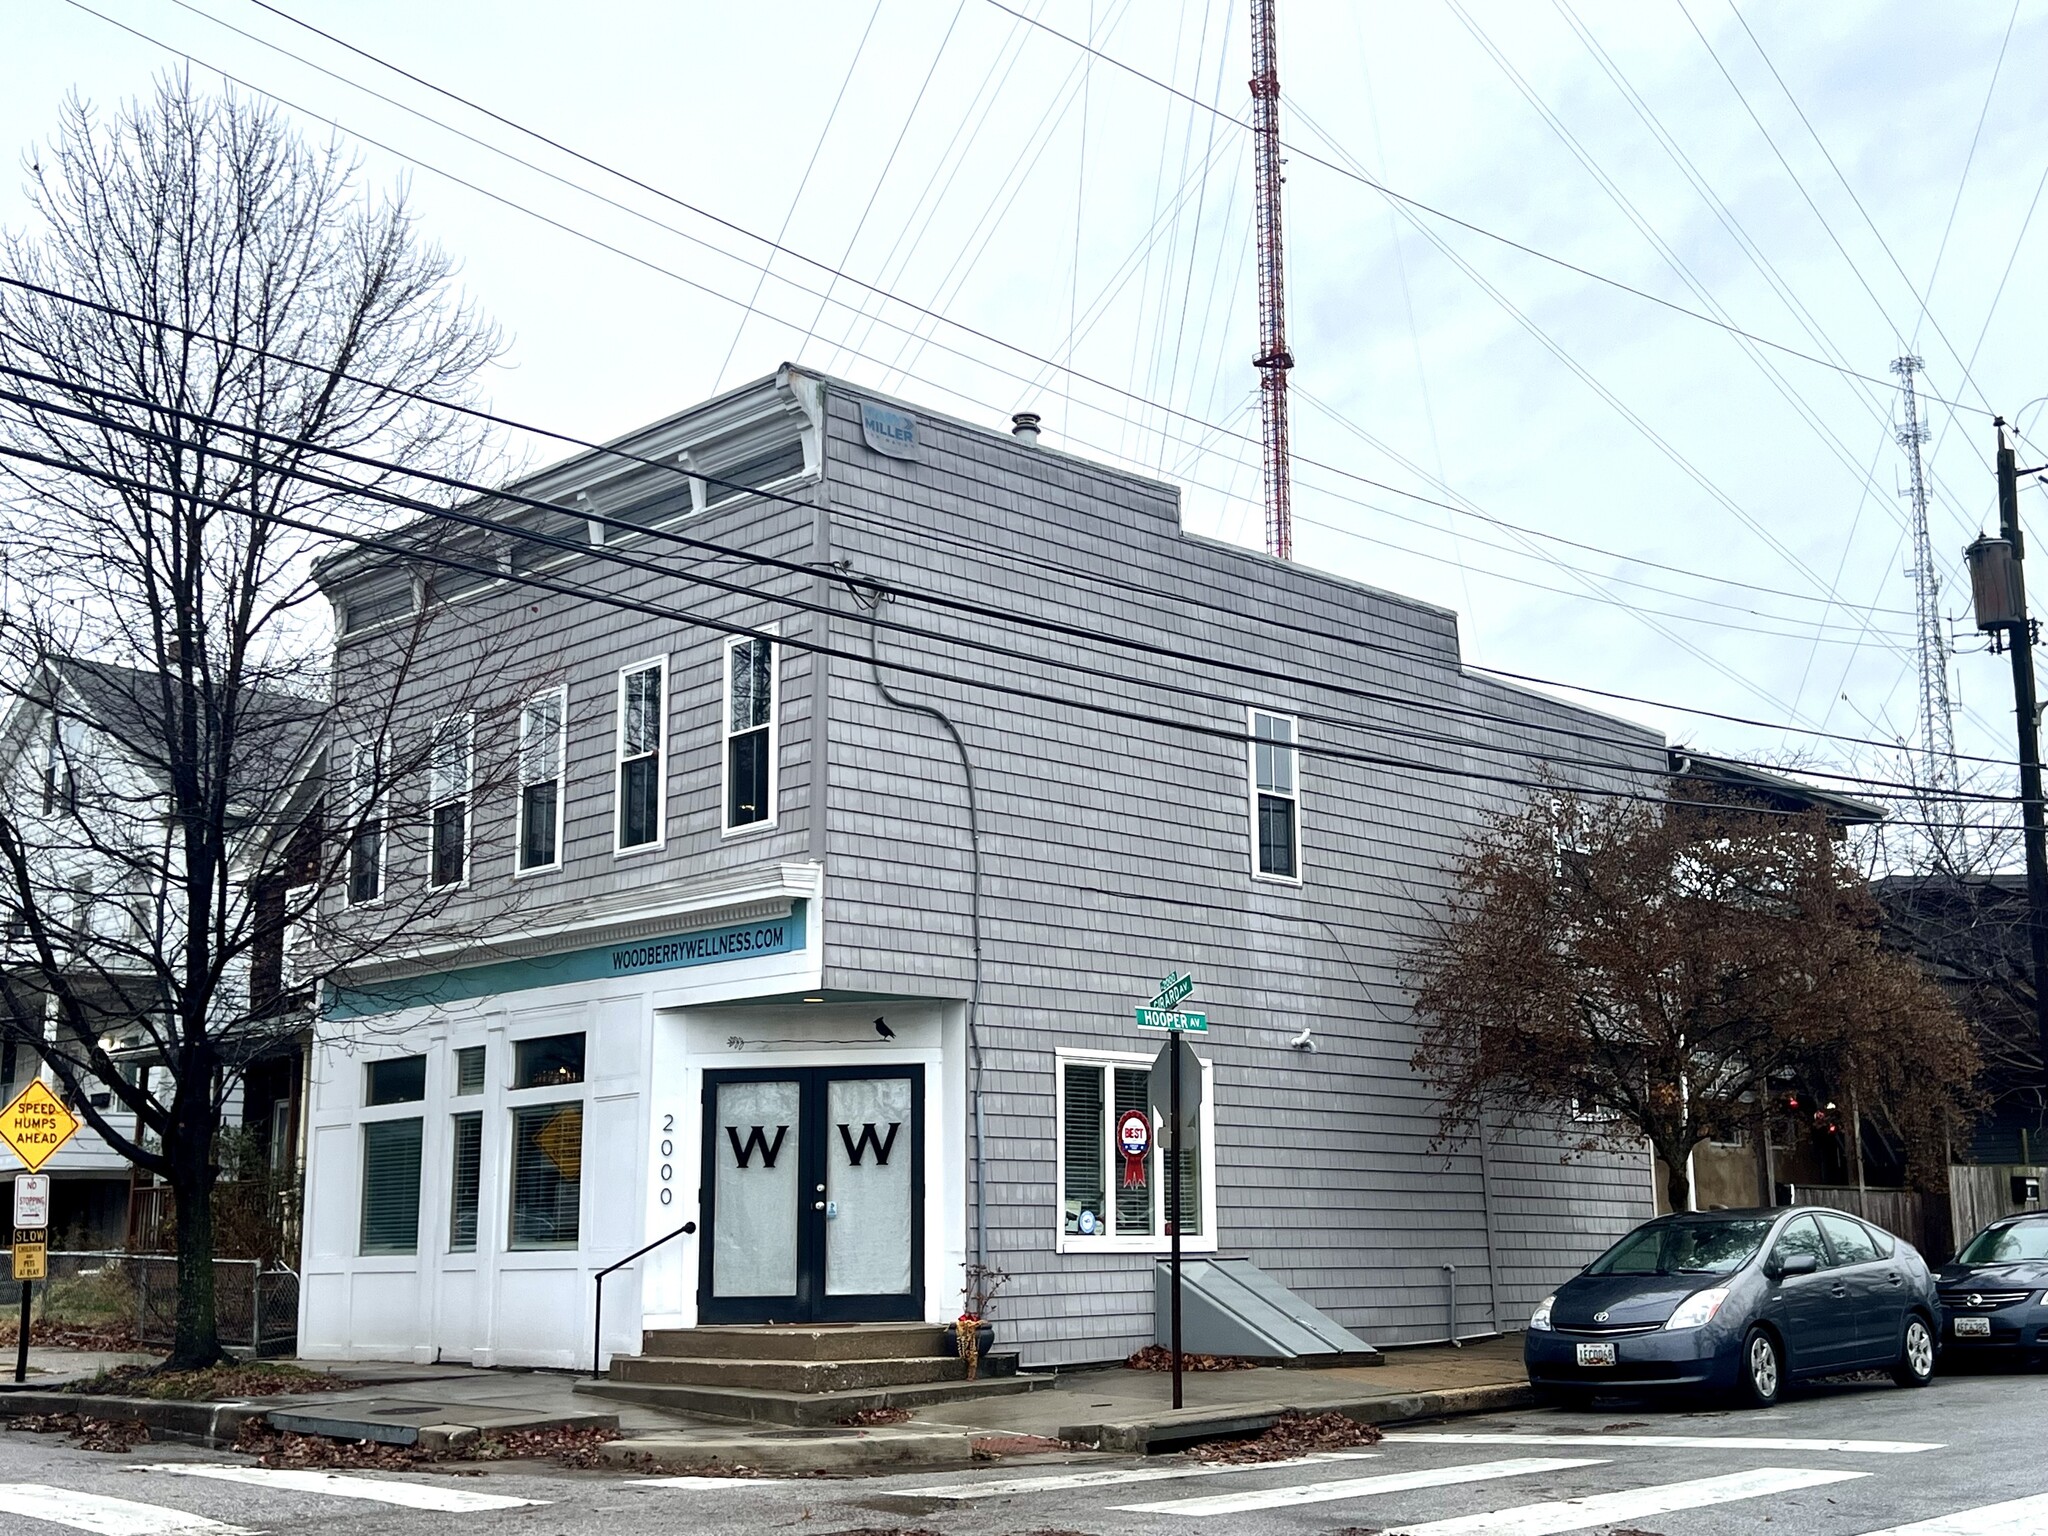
[933, 712]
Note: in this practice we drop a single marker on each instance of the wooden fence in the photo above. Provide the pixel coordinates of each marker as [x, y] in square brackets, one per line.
[1902, 1212]
[1979, 1196]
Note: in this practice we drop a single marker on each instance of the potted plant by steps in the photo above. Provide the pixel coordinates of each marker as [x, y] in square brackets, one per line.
[972, 1333]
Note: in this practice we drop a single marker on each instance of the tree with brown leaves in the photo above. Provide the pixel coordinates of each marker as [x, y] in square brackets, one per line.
[1648, 972]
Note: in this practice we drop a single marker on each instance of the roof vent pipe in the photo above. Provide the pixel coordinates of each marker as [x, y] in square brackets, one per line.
[1024, 425]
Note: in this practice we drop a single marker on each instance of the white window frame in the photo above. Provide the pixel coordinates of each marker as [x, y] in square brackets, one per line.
[561, 696]
[466, 724]
[726, 733]
[1075, 1242]
[360, 807]
[619, 849]
[1253, 714]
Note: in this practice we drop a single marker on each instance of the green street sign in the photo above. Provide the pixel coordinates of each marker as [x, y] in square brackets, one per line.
[1173, 989]
[1172, 1018]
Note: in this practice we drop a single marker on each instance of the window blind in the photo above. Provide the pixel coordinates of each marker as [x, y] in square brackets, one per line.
[469, 1070]
[547, 1175]
[391, 1186]
[466, 1164]
[1082, 1137]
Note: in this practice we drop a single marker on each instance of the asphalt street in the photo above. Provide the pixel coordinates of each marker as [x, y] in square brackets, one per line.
[1961, 1458]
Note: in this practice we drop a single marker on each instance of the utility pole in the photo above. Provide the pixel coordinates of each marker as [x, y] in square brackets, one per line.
[1937, 713]
[1999, 584]
[1274, 359]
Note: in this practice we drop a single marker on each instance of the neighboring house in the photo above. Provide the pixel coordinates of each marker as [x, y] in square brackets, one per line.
[1800, 1140]
[1970, 932]
[739, 941]
[83, 784]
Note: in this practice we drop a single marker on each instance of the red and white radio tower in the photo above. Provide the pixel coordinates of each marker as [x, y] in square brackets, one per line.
[1274, 359]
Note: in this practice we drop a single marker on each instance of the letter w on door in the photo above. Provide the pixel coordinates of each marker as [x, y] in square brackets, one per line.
[881, 1146]
[757, 1141]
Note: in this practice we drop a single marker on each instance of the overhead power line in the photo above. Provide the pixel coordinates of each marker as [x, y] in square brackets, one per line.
[668, 468]
[877, 589]
[1298, 151]
[442, 558]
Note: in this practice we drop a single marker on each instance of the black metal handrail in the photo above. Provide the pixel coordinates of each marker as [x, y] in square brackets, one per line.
[597, 1316]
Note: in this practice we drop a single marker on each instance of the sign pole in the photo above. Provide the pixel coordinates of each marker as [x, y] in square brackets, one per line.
[1173, 1202]
[21, 1339]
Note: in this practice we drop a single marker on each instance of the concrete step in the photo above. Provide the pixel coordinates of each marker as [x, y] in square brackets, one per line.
[788, 1375]
[887, 1448]
[803, 1408]
[844, 1341]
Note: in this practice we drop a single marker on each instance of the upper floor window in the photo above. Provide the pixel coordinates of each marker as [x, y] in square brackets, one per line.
[448, 792]
[642, 690]
[366, 842]
[1276, 798]
[749, 732]
[540, 779]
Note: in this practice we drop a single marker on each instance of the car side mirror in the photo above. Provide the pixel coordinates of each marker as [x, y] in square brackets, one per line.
[1792, 1264]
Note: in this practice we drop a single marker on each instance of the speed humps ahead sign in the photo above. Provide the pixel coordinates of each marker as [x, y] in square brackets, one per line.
[36, 1124]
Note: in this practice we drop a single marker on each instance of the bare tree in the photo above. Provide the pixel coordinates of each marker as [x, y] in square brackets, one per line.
[1654, 973]
[212, 306]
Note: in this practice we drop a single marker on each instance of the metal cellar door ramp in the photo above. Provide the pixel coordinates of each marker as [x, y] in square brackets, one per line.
[1232, 1307]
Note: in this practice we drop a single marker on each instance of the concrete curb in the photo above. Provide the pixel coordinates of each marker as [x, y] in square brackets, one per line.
[1173, 1431]
[213, 1424]
[854, 1451]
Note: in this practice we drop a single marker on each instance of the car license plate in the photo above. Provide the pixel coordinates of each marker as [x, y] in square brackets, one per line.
[1966, 1328]
[1596, 1354]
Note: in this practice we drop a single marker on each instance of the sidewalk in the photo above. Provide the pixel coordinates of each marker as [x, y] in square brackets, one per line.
[1124, 1410]
[1109, 1409]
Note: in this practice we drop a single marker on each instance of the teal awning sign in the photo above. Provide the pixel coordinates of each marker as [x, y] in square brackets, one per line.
[709, 946]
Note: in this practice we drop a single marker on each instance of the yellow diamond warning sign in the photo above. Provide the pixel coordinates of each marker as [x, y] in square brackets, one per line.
[36, 1124]
[561, 1139]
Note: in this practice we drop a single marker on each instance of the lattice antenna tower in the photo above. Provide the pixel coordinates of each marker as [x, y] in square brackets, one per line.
[1937, 712]
[1274, 359]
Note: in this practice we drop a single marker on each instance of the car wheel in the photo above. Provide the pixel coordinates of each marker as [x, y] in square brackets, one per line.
[1915, 1367]
[1763, 1370]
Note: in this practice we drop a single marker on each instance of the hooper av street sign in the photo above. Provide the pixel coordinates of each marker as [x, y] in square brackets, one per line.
[1174, 1019]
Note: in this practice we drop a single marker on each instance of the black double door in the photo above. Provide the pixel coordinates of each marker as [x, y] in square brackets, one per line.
[813, 1195]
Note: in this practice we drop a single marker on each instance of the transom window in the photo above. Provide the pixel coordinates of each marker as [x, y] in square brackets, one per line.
[642, 690]
[749, 733]
[1276, 798]
[540, 779]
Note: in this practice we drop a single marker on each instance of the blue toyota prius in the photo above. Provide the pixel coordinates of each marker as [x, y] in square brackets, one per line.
[1736, 1302]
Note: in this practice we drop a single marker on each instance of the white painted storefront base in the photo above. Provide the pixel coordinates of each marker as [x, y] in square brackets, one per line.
[646, 1053]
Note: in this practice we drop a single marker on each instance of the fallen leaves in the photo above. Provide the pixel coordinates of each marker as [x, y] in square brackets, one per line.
[1296, 1434]
[214, 1384]
[995, 1447]
[868, 1417]
[565, 1446]
[1157, 1357]
[90, 1433]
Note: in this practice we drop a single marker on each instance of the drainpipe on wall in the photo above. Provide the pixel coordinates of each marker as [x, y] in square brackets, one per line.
[933, 712]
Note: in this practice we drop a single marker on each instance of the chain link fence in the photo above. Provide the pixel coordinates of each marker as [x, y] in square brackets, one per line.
[257, 1307]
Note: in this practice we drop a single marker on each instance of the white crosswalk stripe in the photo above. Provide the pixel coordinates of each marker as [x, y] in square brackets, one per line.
[1356, 1487]
[696, 1480]
[1112, 1476]
[104, 1516]
[439, 1498]
[1682, 1442]
[1627, 1506]
[2015, 1517]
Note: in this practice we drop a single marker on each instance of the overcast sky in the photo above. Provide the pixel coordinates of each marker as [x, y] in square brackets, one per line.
[1805, 171]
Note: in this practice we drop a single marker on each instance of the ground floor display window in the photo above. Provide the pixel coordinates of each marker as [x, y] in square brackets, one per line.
[1113, 1161]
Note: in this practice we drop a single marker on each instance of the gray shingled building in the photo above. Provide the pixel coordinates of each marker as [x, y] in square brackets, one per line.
[709, 902]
